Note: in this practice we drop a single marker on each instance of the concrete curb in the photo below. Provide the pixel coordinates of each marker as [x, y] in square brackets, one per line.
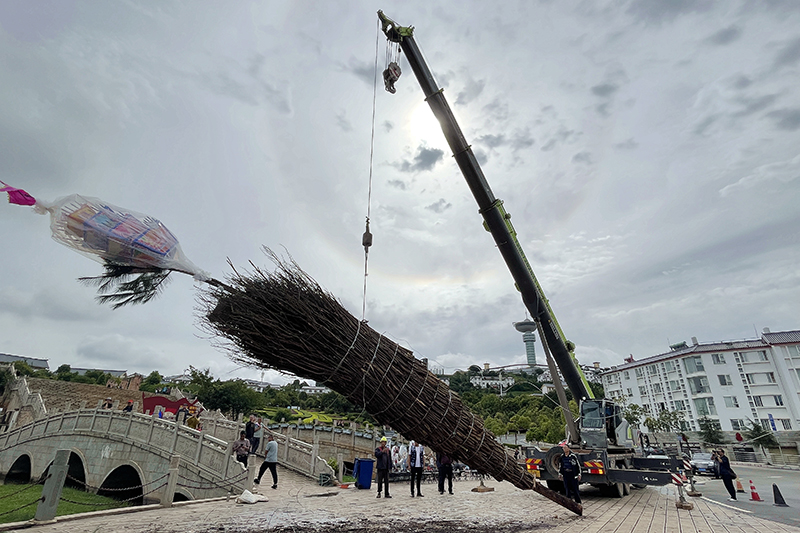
[762, 465]
[10, 526]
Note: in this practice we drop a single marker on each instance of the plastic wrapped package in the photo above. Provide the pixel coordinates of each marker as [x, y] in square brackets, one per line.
[113, 235]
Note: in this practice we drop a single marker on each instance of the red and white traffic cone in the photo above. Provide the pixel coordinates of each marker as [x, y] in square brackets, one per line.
[754, 497]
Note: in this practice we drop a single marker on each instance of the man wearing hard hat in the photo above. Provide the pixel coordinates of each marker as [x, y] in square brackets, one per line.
[383, 462]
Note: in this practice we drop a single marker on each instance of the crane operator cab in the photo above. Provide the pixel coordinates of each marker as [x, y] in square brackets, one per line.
[602, 425]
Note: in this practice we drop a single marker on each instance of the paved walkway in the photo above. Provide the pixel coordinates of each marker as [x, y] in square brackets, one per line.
[299, 505]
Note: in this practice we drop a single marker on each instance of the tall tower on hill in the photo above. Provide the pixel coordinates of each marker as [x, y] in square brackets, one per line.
[527, 328]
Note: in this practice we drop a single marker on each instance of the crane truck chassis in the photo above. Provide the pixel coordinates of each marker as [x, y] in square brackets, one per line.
[603, 442]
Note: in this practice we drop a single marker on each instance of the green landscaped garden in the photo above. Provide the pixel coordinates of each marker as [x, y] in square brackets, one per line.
[307, 417]
[14, 496]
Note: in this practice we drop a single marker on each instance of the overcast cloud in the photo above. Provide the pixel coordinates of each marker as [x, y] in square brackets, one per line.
[647, 150]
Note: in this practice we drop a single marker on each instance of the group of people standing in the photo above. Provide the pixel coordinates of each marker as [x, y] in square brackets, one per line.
[416, 461]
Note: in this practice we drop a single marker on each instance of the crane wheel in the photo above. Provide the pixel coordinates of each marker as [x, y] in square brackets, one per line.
[552, 459]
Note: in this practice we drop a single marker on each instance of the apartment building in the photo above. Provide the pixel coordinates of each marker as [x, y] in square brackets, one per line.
[728, 382]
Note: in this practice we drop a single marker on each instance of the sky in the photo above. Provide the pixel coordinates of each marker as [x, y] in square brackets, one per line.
[648, 151]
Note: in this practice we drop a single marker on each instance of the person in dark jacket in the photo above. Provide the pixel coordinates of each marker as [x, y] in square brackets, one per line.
[569, 470]
[727, 474]
[383, 462]
[445, 465]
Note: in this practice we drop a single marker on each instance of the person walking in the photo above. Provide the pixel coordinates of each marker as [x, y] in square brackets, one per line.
[569, 471]
[444, 464]
[383, 461]
[727, 474]
[416, 458]
[270, 461]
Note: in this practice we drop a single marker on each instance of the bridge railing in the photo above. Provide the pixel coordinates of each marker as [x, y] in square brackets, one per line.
[161, 436]
[166, 437]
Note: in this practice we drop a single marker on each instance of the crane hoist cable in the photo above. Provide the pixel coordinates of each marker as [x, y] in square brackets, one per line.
[366, 238]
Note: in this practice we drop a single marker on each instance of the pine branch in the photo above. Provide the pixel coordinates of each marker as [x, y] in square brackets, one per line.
[121, 285]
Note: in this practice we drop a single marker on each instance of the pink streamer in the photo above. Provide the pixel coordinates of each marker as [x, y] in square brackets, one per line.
[17, 196]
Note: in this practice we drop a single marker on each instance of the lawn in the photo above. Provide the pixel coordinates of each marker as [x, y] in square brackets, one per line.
[13, 496]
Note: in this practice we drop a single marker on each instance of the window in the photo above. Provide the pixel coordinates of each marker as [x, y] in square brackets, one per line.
[778, 400]
[642, 390]
[718, 358]
[751, 379]
[699, 385]
[787, 424]
[753, 357]
[731, 401]
[705, 406]
[757, 401]
[765, 424]
[725, 379]
[679, 405]
[669, 366]
[693, 364]
[798, 372]
[657, 388]
[626, 375]
[638, 372]
[674, 385]
[652, 370]
[794, 351]
[737, 424]
[630, 392]
[770, 377]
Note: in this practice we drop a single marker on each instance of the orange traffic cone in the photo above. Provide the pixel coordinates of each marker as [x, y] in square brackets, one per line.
[739, 487]
[754, 497]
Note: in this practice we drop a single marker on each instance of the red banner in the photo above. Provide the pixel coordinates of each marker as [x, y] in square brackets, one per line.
[150, 403]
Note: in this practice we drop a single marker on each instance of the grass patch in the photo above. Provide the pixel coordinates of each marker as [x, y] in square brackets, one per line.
[32, 494]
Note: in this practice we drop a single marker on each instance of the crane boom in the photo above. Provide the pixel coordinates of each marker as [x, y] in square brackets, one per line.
[496, 220]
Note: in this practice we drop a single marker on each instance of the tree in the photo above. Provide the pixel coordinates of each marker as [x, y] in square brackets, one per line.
[460, 383]
[670, 420]
[232, 397]
[755, 432]
[151, 382]
[710, 431]
[633, 414]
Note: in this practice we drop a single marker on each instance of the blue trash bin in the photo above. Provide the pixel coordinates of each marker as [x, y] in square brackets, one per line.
[362, 471]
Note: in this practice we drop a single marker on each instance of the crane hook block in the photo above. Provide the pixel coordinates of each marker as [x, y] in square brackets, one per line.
[366, 239]
[391, 75]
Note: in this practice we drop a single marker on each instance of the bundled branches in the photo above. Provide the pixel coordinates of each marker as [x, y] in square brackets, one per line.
[285, 320]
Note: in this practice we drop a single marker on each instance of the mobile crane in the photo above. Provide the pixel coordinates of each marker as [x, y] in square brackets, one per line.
[602, 439]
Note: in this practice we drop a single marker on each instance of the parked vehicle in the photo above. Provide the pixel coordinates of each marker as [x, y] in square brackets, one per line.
[703, 463]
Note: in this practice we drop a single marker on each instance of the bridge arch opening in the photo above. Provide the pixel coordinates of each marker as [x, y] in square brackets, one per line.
[180, 497]
[123, 483]
[20, 471]
[76, 473]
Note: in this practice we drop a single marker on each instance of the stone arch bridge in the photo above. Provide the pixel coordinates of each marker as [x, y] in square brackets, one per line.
[127, 455]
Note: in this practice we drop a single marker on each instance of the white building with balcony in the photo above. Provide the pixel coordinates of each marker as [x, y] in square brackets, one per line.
[728, 382]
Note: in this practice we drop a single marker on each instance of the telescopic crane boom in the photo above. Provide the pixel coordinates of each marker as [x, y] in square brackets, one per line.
[496, 220]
